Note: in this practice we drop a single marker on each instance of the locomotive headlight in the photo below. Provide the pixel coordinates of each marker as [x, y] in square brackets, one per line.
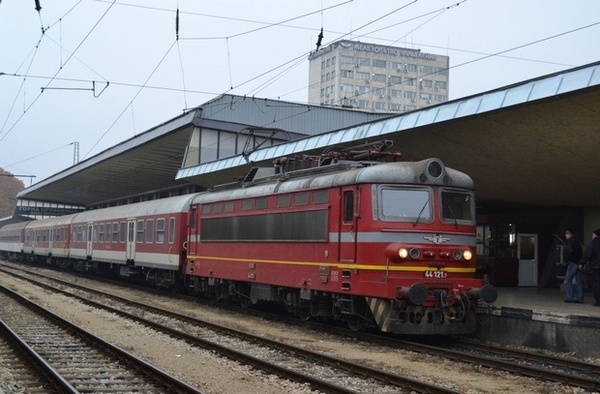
[402, 253]
[414, 253]
[467, 255]
[457, 254]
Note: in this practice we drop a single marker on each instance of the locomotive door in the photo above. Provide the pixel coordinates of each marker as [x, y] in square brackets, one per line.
[131, 232]
[89, 240]
[348, 224]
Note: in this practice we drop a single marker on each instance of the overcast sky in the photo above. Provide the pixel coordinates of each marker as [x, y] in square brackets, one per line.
[101, 72]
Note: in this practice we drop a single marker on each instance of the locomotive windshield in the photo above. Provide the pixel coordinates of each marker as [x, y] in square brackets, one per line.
[457, 206]
[406, 204]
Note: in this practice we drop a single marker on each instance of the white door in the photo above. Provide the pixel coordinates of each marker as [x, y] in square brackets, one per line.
[528, 259]
[131, 233]
[89, 240]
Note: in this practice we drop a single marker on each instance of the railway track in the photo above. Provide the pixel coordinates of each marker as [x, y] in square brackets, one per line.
[566, 371]
[322, 372]
[76, 360]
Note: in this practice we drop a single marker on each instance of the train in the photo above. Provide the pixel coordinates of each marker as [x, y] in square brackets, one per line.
[385, 244]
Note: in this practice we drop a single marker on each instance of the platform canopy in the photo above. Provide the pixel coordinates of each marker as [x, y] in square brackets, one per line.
[535, 142]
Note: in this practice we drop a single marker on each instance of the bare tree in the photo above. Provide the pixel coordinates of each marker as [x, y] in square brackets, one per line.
[9, 187]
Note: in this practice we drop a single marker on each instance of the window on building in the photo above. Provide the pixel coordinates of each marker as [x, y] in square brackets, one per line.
[363, 61]
[346, 74]
[379, 77]
[394, 107]
[410, 95]
[379, 63]
[395, 92]
[410, 81]
[347, 59]
[378, 105]
[379, 92]
[363, 76]
[395, 80]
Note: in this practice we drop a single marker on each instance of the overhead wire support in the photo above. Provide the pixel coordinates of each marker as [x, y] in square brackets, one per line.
[93, 89]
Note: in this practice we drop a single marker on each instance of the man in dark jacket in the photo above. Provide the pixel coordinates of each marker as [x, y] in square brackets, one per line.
[572, 256]
[591, 257]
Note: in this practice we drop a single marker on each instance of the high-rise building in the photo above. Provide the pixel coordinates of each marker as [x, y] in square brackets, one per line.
[377, 78]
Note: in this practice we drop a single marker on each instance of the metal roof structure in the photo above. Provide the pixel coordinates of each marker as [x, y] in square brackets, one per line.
[149, 161]
[534, 142]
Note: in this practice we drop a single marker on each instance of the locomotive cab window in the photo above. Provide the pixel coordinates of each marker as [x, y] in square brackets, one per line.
[457, 206]
[348, 206]
[405, 204]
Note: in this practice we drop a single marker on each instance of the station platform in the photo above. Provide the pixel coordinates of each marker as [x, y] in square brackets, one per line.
[539, 318]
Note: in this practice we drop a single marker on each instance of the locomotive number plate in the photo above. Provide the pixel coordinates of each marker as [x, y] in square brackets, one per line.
[436, 274]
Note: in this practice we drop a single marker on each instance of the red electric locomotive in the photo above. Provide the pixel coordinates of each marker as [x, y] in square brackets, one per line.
[390, 244]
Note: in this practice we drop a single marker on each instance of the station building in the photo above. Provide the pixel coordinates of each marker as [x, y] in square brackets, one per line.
[531, 149]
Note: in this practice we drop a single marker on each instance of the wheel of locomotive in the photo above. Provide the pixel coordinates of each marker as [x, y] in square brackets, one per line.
[355, 323]
[242, 296]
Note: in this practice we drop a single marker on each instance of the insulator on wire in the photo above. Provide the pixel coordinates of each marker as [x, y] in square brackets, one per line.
[38, 7]
[177, 24]
[320, 38]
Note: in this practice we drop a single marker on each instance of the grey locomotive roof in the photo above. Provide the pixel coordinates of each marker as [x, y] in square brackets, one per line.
[387, 173]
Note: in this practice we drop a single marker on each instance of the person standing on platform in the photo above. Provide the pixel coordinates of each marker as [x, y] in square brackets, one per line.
[591, 257]
[572, 255]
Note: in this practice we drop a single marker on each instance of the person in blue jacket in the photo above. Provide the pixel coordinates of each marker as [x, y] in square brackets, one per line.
[572, 256]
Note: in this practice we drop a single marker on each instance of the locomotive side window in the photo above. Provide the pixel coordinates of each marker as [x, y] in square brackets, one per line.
[301, 199]
[246, 205]
[457, 206]
[283, 200]
[406, 204]
[228, 206]
[348, 206]
[321, 197]
[206, 209]
[261, 203]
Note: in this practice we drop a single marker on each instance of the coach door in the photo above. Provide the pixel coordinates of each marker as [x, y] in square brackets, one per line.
[348, 222]
[131, 232]
[89, 240]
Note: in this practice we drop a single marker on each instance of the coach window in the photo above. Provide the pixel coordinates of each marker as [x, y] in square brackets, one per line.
[139, 237]
[115, 231]
[348, 206]
[123, 232]
[108, 233]
[171, 230]
[160, 231]
[101, 233]
[261, 203]
[149, 231]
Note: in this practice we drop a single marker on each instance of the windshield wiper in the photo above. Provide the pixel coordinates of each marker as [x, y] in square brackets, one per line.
[420, 213]
[453, 215]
